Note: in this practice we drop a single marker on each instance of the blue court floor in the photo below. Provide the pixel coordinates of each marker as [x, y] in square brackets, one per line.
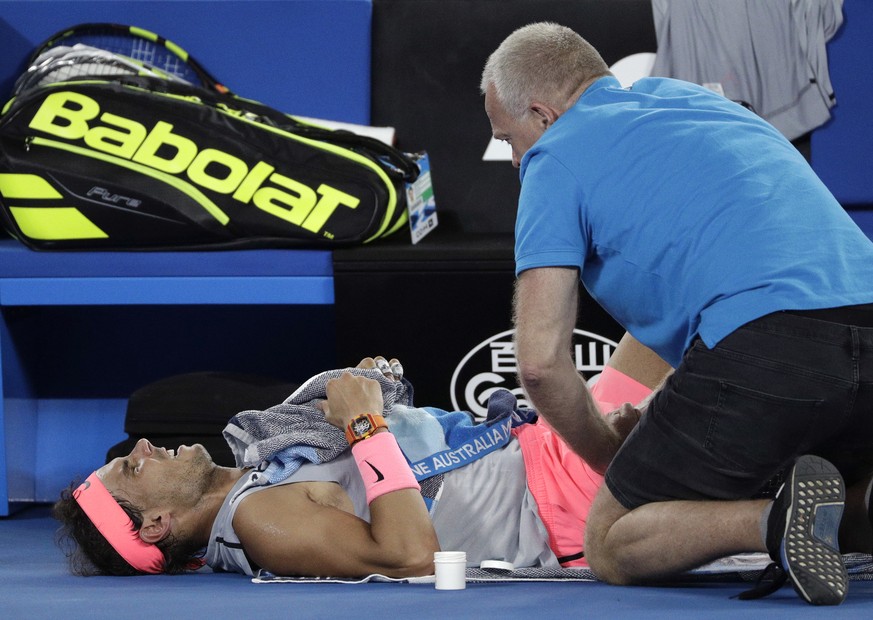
[35, 583]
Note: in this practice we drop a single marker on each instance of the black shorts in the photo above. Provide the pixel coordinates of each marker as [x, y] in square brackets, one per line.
[732, 417]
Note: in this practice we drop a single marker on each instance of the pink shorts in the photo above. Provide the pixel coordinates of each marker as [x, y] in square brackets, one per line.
[614, 388]
[562, 484]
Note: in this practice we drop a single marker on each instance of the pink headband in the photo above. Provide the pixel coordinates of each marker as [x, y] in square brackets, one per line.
[116, 526]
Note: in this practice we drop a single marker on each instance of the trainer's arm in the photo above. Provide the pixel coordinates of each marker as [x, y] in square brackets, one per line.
[545, 307]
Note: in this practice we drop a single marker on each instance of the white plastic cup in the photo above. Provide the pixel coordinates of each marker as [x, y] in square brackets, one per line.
[450, 568]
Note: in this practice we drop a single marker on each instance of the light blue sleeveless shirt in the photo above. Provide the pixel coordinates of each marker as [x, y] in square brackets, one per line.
[483, 508]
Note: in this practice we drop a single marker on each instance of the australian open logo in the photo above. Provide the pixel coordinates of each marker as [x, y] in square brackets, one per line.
[491, 365]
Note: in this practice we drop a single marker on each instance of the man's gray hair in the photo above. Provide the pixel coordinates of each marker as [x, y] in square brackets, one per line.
[541, 61]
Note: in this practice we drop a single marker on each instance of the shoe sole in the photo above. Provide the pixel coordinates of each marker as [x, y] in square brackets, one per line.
[810, 550]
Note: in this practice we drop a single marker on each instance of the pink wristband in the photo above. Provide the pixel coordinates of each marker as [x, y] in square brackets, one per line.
[382, 465]
[614, 388]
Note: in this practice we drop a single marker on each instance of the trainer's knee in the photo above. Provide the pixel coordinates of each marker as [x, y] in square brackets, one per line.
[605, 564]
[603, 548]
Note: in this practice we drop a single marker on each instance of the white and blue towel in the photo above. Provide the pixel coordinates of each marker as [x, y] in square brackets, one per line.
[433, 440]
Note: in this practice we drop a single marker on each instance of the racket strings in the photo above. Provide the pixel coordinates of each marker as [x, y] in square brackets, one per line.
[120, 40]
[63, 63]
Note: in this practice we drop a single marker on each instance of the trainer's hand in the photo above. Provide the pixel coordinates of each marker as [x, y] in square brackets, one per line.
[349, 396]
[623, 420]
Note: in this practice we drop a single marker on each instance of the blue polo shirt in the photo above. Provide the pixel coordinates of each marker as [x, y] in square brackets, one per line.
[686, 215]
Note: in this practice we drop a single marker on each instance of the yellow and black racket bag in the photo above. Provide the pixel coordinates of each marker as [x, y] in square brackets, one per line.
[100, 150]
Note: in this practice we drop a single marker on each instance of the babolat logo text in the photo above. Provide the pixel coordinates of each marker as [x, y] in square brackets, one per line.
[76, 117]
[492, 365]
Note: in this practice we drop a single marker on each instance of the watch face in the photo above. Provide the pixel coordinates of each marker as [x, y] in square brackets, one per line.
[361, 426]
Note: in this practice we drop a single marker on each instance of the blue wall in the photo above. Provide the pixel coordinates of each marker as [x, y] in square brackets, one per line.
[842, 150]
[307, 57]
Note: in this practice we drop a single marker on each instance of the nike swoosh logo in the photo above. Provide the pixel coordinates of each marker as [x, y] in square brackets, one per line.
[379, 476]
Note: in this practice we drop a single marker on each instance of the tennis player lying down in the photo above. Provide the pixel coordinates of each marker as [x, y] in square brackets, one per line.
[363, 512]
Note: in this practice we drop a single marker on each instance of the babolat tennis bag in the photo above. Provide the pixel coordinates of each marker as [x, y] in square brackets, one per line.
[117, 139]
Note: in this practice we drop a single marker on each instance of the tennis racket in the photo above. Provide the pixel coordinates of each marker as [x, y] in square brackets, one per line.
[147, 48]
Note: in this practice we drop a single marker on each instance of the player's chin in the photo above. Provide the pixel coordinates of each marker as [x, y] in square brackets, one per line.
[194, 451]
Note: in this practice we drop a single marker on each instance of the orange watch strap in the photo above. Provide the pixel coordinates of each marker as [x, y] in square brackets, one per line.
[375, 421]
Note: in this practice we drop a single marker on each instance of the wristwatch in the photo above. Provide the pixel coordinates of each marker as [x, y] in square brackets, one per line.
[363, 426]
